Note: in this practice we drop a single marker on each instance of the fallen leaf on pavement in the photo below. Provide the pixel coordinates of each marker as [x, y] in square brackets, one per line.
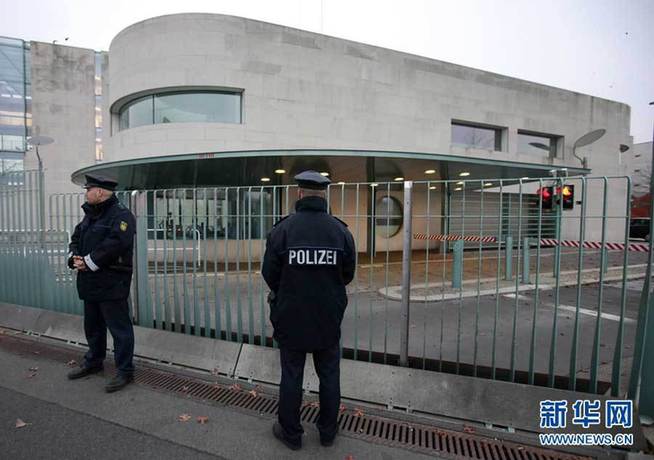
[235, 387]
[214, 371]
[358, 412]
[313, 404]
[31, 375]
[34, 369]
[202, 419]
[349, 457]
[184, 389]
[253, 393]
[71, 363]
[468, 429]
[36, 352]
[184, 418]
[342, 408]
[21, 424]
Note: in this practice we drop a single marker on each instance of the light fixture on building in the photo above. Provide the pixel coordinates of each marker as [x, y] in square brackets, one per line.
[280, 171]
[460, 182]
[374, 185]
[433, 187]
[324, 173]
[487, 184]
[525, 178]
[265, 179]
[398, 179]
[341, 183]
[464, 174]
[458, 189]
[430, 171]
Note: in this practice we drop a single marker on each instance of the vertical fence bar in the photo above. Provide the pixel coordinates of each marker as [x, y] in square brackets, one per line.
[479, 274]
[557, 291]
[497, 281]
[386, 265]
[356, 275]
[217, 303]
[532, 344]
[514, 331]
[525, 260]
[460, 309]
[508, 270]
[228, 305]
[425, 305]
[250, 288]
[619, 339]
[406, 274]
[594, 362]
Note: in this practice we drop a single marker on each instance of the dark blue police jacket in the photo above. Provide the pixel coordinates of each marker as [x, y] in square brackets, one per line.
[106, 235]
[309, 259]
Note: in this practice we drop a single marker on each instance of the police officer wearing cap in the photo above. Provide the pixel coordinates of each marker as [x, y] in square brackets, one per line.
[101, 250]
[309, 259]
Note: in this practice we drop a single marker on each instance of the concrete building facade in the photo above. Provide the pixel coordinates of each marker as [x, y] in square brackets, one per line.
[212, 100]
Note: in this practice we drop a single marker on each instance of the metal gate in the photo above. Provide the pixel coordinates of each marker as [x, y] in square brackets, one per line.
[473, 277]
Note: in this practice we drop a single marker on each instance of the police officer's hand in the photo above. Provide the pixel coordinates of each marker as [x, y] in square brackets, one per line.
[78, 263]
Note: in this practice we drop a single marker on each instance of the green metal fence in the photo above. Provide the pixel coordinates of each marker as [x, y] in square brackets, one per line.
[452, 276]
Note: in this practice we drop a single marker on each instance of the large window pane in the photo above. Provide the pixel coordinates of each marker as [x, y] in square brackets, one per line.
[137, 113]
[193, 107]
[536, 144]
[478, 137]
[198, 108]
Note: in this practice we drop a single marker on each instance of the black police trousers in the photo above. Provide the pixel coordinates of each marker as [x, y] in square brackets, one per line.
[112, 314]
[327, 364]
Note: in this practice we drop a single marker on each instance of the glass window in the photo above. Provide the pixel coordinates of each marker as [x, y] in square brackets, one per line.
[478, 137]
[536, 144]
[192, 107]
[137, 113]
[388, 216]
[197, 108]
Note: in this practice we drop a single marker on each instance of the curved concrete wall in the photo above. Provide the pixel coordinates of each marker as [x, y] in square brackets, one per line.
[305, 90]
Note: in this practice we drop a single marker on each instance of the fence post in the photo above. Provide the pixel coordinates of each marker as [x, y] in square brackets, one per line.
[140, 303]
[605, 261]
[457, 266]
[508, 248]
[525, 260]
[406, 275]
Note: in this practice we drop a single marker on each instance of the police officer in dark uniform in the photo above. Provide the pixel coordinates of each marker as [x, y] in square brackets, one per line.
[101, 250]
[309, 259]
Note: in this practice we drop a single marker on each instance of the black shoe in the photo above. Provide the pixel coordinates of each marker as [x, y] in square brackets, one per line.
[118, 382]
[278, 431]
[83, 372]
[327, 442]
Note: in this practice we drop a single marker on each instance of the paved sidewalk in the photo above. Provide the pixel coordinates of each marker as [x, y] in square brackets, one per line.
[78, 419]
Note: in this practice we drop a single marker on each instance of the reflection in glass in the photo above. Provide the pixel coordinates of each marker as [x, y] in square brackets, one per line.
[476, 137]
[191, 107]
[197, 108]
[535, 144]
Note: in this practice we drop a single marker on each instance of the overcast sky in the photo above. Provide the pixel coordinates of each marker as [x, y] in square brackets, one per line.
[603, 48]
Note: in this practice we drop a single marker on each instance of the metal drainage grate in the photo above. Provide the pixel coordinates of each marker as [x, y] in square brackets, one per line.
[359, 425]
[353, 422]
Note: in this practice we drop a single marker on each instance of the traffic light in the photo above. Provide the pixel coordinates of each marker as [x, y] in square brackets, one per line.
[568, 195]
[547, 197]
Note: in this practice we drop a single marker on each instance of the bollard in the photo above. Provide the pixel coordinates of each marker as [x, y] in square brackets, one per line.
[457, 265]
[508, 247]
[525, 260]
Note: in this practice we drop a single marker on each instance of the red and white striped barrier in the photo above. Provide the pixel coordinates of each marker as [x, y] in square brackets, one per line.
[638, 247]
[483, 239]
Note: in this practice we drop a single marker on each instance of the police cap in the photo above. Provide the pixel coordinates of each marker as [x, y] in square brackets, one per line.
[100, 182]
[312, 180]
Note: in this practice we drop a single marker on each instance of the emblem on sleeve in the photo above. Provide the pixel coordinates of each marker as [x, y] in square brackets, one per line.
[123, 226]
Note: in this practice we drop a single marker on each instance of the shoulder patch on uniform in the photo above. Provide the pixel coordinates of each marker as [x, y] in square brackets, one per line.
[339, 220]
[282, 219]
[123, 226]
